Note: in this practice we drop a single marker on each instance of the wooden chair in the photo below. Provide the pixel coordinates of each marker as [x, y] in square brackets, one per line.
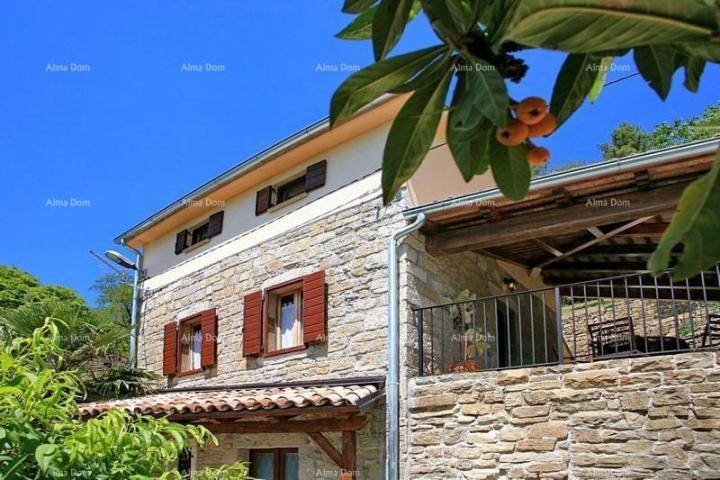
[612, 337]
[711, 332]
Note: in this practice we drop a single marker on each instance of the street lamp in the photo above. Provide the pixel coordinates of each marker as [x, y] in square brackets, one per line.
[120, 259]
[135, 266]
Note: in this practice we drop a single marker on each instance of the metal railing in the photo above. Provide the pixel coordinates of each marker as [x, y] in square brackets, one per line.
[623, 316]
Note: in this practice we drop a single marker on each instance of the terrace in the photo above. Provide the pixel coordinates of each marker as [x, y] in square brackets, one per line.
[564, 275]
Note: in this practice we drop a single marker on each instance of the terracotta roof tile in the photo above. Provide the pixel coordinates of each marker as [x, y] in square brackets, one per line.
[236, 399]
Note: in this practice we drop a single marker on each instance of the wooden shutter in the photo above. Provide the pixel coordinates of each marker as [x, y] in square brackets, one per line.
[208, 345]
[263, 200]
[314, 307]
[252, 324]
[181, 241]
[215, 224]
[170, 349]
[315, 175]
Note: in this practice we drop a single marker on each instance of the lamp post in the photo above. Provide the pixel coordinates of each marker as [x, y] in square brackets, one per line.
[136, 267]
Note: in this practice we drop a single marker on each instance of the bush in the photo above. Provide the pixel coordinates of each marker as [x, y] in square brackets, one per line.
[42, 436]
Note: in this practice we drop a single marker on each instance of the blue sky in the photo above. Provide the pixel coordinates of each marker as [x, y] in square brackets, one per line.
[129, 131]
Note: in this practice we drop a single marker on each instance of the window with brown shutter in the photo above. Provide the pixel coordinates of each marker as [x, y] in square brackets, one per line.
[170, 349]
[182, 241]
[201, 233]
[315, 175]
[208, 346]
[252, 324]
[314, 307]
[264, 200]
[215, 224]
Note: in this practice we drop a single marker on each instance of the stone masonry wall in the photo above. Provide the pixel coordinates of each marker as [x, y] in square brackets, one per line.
[655, 417]
[350, 245]
[314, 464]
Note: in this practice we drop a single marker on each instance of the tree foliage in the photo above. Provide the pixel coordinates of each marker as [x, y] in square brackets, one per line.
[478, 39]
[114, 298]
[42, 436]
[94, 342]
[19, 288]
[628, 139]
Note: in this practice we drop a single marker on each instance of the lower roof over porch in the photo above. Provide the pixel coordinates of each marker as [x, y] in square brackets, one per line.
[310, 407]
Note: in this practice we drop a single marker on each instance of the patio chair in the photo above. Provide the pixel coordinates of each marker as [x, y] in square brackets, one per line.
[711, 331]
[612, 337]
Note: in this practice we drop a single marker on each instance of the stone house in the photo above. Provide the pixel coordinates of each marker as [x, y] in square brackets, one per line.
[530, 343]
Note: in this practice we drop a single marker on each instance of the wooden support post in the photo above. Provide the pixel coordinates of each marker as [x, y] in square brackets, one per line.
[349, 447]
[328, 448]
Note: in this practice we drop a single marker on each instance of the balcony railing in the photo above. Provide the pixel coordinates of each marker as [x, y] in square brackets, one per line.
[624, 316]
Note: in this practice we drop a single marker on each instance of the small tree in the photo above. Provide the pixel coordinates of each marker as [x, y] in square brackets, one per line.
[42, 436]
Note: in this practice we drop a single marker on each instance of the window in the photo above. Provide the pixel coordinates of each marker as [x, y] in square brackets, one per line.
[284, 318]
[274, 195]
[274, 464]
[190, 343]
[290, 189]
[199, 233]
[185, 463]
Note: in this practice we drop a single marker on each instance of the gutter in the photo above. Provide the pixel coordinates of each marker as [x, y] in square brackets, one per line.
[393, 383]
[610, 167]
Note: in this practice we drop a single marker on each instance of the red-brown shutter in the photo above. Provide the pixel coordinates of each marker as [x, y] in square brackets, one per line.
[208, 345]
[315, 175]
[170, 349]
[252, 324]
[263, 201]
[314, 307]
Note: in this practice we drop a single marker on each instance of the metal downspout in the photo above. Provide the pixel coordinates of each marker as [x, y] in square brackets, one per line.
[136, 299]
[393, 384]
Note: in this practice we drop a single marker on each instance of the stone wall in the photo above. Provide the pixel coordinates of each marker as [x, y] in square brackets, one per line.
[350, 245]
[314, 463]
[655, 417]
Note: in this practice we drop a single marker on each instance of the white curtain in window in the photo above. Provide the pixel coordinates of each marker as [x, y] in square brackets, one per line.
[287, 321]
[197, 339]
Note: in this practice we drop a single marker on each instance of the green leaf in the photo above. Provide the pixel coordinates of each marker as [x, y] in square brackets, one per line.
[470, 150]
[696, 224]
[44, 454]
[370, 83]
[357, 6]
[389, 24]
[488, 89]
[411, 135]
[587, 26]
[574, 83]
[706, 51]
[360, 28]
[599, 83]
[511, 169]
[694, 68]
[456, 15]
[430, 75]
[657, 65]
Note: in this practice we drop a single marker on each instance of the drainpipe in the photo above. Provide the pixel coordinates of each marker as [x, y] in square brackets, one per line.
[393, 383]
[136, 299]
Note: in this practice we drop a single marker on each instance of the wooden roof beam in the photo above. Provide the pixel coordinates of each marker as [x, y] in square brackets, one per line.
[559, 221]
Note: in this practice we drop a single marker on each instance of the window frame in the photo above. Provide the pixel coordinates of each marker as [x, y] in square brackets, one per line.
[189, 322]
[295, 285]
[279, 460]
